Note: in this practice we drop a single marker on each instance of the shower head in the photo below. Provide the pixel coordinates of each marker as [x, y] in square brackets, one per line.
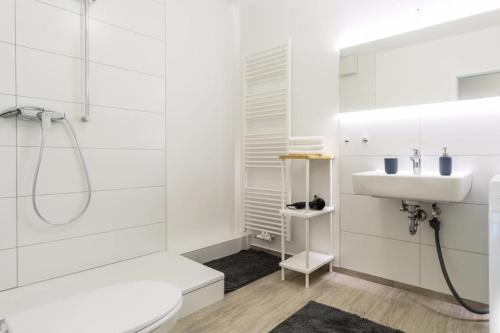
[12, 112]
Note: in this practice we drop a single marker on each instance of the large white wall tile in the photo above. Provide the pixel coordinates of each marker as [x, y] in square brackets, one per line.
[7, 20]
[60, 171]
[48, 28]
[389, 132]
[465, 127]
[463, 227]
[142, 16]
[357, 103]
[367, 64]
[108, 168]
[49, 260]
[108, 211]
[119, 168]
[50, 76]
[126, 89]
[468, 272]
[7, 125]
[7, 223]
[8, 262]
[123, 143]
[74, 6]
[7, 172]
[390, 259]
[118, 47]
[483, 168]
[374, 216]
[355, 85]
[7, 68]
[108, 128]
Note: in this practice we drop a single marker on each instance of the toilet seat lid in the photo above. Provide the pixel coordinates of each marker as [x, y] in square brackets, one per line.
[120, 308]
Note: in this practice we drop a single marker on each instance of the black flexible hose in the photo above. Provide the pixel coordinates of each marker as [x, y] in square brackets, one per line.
[435, 224]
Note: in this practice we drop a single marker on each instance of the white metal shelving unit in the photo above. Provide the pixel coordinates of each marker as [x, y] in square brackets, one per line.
[307, 261]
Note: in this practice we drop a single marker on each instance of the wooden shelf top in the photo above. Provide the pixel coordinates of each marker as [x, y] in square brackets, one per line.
[306, 157]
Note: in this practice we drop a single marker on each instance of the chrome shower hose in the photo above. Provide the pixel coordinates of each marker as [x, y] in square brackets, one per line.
[37, 172]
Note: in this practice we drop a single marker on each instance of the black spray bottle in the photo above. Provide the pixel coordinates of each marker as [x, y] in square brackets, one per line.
[445, 164]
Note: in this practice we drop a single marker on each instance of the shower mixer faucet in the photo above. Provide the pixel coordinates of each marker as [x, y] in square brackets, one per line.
[46, 117]
[416, 159]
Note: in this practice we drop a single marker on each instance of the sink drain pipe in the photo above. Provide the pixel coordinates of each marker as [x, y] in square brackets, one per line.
[435, 224]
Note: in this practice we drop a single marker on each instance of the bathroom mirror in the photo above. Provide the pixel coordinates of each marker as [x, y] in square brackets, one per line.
[456, 60]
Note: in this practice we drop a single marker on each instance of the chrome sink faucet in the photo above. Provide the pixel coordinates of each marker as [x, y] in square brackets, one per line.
[416, 159]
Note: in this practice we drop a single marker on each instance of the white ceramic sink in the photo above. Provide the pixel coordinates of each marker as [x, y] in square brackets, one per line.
[425, 187]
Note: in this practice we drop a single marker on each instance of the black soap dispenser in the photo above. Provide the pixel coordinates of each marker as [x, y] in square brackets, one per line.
[445, 164]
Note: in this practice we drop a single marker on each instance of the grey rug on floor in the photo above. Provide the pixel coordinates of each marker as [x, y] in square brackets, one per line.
[245, 267]
[319, 318]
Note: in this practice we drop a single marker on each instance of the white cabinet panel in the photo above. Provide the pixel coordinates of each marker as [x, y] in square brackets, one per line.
[374, 216]
[8, 262]
[7, 223]
[468, 272]
[109, 210]
[125, 89]
[49, 260]
[7, 172]
[463, 227]
[49, 76]
[108, 128]
[109, 169]
[389, 259]
[7, 68]
[389, 132]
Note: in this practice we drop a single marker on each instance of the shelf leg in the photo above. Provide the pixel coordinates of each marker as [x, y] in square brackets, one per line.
[307, 244]
[331, 266]
[307, 281]
[283, 205]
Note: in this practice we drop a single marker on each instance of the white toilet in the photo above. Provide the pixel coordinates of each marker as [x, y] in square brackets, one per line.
[135, 307]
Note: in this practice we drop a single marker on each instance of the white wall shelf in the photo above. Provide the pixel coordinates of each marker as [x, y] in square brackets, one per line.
[298, 262]
[302, 213]
[307, 261]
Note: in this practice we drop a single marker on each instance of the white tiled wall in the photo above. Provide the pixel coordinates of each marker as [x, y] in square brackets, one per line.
[124, 143]
[375, 233]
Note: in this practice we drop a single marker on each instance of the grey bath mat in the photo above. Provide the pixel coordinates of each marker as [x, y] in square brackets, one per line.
[318, 318]
[245, 267]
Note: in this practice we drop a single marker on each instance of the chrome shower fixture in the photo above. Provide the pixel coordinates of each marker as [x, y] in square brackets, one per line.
[46, 118]
[32, 113]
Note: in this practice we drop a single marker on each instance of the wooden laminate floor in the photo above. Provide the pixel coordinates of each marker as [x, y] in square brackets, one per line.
[260, 306]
